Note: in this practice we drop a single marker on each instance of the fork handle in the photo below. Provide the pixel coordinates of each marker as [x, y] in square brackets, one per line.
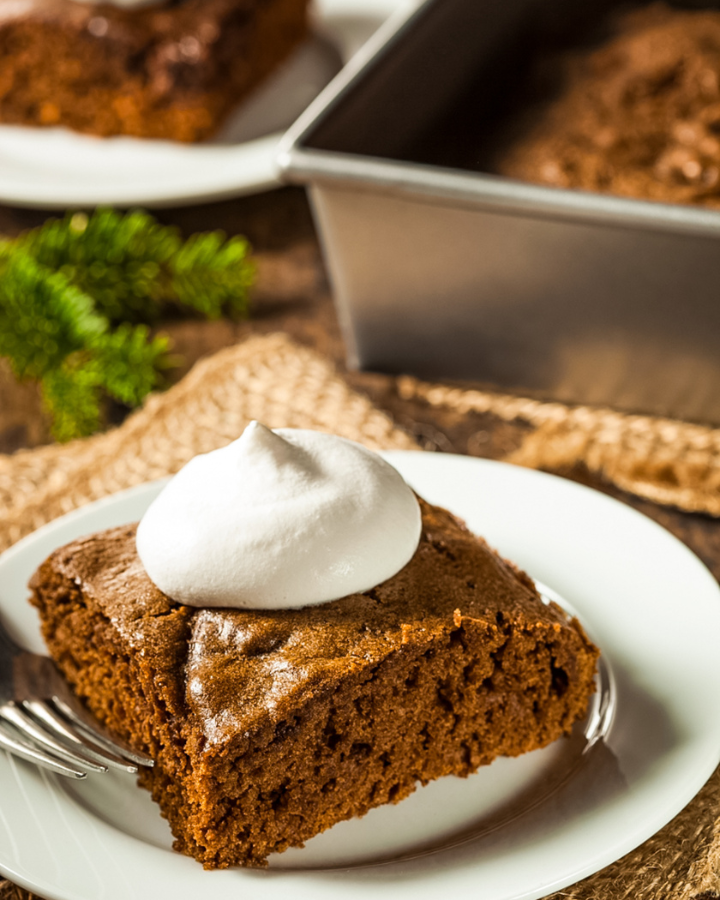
[9, 652]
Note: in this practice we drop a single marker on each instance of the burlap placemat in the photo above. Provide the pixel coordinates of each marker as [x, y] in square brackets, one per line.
[274, 380]
[267, 378]
[666, 461]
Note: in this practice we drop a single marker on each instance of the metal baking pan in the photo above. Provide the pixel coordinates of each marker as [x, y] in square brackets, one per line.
[448, 271]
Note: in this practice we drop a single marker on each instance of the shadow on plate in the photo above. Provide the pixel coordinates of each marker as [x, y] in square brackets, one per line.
[279, 100]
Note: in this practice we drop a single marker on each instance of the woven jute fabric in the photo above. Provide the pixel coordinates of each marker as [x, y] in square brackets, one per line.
[268, 378]
[669, 462]
[679, 862]
[272, 379]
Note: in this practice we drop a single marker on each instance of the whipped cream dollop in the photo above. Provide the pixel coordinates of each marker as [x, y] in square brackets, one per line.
[279, 519]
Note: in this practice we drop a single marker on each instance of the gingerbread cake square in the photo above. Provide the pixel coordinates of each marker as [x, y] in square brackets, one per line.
[171, 70]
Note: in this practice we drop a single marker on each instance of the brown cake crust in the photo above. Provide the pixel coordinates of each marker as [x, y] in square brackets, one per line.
[169, 71]
[637, 117]
[270, 726]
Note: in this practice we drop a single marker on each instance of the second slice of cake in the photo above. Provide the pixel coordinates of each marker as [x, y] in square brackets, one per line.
[168, 70]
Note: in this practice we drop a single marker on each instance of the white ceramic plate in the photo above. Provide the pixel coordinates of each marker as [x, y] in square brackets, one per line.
[650, 604]
[57, 168]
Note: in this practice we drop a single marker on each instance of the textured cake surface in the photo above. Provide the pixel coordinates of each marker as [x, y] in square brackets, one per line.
[639, 116]
[270, 726]
[173, 70]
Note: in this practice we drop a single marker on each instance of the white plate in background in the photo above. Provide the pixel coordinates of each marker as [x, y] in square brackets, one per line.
[59, 168]
[651, 605]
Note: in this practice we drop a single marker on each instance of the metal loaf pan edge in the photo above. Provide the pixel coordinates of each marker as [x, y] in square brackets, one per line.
[447, 273]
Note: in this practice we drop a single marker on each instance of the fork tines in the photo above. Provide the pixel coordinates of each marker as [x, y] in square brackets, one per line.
[41, 720]
[66, 745]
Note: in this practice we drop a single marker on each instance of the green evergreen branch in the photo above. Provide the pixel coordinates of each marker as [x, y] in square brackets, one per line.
[74, 292]
[211, 274]
[43, 317]
[71, 395]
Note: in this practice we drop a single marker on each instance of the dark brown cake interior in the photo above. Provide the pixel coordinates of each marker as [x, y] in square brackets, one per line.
[269, 727]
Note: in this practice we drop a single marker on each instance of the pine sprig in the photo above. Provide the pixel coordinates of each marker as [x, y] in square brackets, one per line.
[75, 294]
[70, 395]
[134, 268]
[132, 362]
[211, 274]
[43, 318]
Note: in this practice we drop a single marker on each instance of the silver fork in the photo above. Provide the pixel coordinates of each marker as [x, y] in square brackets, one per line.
[42, 721]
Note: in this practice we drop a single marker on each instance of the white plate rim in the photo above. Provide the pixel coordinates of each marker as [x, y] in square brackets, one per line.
[187, 174]
[431, 474]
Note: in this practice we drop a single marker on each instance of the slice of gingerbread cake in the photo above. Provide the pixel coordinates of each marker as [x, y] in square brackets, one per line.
[296, 638]
[173, 69]
[268, 727]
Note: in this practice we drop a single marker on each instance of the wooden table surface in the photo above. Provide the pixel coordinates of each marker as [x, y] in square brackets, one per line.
[292, 295]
